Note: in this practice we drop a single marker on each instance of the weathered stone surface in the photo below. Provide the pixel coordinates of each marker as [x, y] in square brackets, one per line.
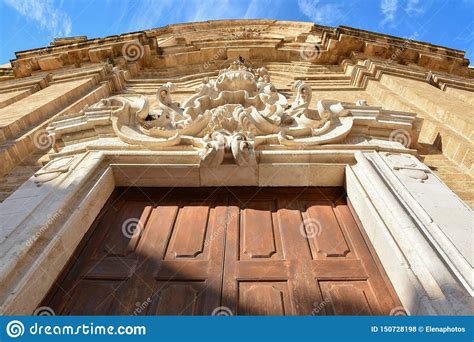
[242, 103]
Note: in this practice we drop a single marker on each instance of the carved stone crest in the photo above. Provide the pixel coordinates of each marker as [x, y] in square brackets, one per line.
[231, 116]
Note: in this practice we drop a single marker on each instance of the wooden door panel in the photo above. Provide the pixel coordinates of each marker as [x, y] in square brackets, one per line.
[257, 232]
[264, 298]
[112, 268]
[256, 251]
[327, 269]
[349, 298]
[324, 232]
[93, 297]
[123, 235]
[107, 260]
[258, 280]
[177, 298]
[378, 282]
[152, 245]
[183, 258]
[189, 231]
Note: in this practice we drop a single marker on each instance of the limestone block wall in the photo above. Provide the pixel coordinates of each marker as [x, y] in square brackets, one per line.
[21, 173]
[453, 115]
[27, 112]
[446, 138]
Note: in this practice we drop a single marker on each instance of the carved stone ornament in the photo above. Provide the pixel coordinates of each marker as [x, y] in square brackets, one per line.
[53, 170]
[408, 166]
[230, 116]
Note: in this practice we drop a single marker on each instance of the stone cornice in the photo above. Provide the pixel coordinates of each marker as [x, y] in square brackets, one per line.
[265, 40]
[33, 83]
[101, 72]
[373, 69]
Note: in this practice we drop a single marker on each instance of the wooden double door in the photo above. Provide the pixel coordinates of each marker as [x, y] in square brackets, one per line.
[239, 251]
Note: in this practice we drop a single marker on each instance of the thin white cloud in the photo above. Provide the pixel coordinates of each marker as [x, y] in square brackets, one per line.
[323, 14]
[389, 9]
[414, 8]
[44, 12]
[155, 13]
[262, 9]
[226, 9]
[147, 13]
[212, 10]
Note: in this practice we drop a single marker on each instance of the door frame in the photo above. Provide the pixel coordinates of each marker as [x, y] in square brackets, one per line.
[46, 218]
[354, 237]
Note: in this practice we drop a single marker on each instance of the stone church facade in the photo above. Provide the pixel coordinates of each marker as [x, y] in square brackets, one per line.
[243, 166]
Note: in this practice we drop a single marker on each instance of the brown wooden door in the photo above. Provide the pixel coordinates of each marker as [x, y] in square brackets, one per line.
[245, 251]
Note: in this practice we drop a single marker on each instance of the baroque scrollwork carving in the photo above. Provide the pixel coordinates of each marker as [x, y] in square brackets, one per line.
[220, 143]
[229, 116]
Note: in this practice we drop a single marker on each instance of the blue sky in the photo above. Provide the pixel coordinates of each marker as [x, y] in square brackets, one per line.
[27, 24]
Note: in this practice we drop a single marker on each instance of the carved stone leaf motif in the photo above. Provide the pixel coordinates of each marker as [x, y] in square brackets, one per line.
[221, 142]
[53, 170]
[229, 116]
[408, 167]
